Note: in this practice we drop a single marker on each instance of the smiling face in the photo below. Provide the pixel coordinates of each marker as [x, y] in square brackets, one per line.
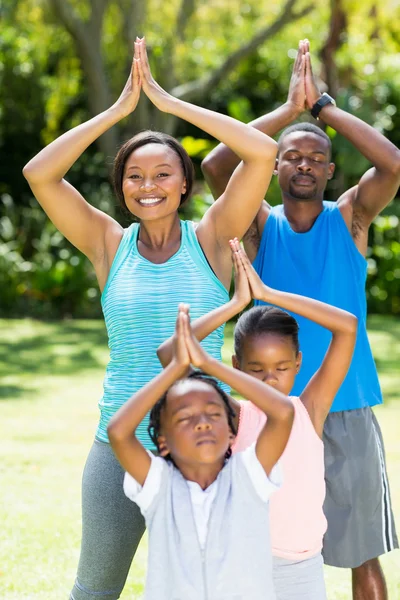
[153, 182]
[271, 358]
[304, 166]
[194, 425]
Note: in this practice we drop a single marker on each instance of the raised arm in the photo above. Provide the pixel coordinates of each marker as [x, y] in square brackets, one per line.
[221, 162]
[278, 408]
[86, 227]
[257, 152]
[206, 324]
[323, 386]
[122, 427]
[378, 186]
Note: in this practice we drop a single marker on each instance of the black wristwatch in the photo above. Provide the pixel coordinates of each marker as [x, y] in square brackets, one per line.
[320, 103]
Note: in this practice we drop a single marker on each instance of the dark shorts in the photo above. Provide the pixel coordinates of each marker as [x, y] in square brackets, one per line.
[357, 504]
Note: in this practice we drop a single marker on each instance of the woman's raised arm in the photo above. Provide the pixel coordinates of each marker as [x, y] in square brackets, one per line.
[86, 227]
[235, 210]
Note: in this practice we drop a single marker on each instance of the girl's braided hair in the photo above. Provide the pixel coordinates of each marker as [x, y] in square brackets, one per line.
[154, 427]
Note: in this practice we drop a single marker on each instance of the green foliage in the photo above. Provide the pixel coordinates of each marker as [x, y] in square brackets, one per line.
[43, 92]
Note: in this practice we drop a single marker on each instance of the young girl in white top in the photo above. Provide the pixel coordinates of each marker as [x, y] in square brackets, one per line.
[206, 512]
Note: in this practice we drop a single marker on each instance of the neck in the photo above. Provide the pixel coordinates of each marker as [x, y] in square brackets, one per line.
[301, 214]
[159, 234]
[203, 474]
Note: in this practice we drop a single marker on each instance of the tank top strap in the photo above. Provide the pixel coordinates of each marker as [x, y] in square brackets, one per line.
[127, 244]
[189, 239]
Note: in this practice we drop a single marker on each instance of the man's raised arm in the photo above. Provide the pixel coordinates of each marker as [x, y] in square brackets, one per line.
[219, 165]
[378, 186]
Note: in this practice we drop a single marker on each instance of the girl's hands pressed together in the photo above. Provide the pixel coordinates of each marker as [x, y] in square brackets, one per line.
[242, 294]
[159, 97]
[258, 289]
[180, 351]
[198, 356]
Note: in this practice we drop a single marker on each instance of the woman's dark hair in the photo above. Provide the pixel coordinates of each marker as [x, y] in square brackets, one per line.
[265, 319]
[154, 427]
[142, 139]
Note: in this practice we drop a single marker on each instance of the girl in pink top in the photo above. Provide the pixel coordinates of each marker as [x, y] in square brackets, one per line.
[266, 347]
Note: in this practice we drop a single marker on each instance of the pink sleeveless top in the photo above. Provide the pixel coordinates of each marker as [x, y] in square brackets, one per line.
[297, 519]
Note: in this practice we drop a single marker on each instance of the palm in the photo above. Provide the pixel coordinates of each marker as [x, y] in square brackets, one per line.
[297, 90]
[159, 97]
[129, 97]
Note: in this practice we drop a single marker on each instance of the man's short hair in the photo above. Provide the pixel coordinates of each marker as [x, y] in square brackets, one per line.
[307, 128]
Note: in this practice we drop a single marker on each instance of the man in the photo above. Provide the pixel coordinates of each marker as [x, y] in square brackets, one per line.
[318, 248]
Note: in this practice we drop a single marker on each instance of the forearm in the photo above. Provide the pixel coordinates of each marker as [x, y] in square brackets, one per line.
[203, 326]
[328, 316]
[274, 404]
[220, 163]
[53, 162]
[248, 143]
[124, 423]
[372, 144]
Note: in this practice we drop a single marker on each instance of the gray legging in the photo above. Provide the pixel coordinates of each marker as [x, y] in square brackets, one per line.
[112, 527]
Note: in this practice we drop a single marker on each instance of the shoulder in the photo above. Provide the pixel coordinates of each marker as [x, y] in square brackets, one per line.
[144, 495]
[263, 484]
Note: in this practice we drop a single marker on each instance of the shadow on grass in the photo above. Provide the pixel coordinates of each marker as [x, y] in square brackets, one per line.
[29, 352]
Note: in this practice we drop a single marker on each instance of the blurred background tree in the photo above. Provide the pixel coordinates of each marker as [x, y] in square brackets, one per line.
[62, 61]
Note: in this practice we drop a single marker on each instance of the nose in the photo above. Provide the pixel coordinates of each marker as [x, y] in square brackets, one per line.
[203, 424]
[270, 379]
[147, 185]
[303, 166]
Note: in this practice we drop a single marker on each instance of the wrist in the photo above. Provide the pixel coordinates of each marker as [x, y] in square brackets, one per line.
[294, 110]
[177, 369]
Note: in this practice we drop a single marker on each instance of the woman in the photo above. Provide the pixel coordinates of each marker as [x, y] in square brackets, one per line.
[143, 273]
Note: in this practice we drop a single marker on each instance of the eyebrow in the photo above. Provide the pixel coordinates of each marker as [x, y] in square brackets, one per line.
[186, 406]
[156, 167]
[281, 362]
[298, 151]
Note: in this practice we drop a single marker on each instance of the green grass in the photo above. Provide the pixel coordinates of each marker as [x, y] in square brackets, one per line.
[51, 378]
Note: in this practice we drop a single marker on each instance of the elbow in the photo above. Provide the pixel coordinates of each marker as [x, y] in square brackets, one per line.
[208, 167]
[353, 324]
[287, 414]
[396, 164]
[31, 173]
[115, 433]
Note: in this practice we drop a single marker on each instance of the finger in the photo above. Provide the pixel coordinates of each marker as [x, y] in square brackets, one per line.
[308, 64]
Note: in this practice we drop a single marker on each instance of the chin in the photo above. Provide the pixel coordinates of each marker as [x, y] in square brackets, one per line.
[303, 194]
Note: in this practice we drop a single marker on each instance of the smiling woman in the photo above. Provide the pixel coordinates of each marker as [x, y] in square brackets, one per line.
[144, 272]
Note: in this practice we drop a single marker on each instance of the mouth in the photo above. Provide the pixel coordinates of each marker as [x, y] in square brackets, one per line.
[149, 201]
[205, 440]
[303, 180]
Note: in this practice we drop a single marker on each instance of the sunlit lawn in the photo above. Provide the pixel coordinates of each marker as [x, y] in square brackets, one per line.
[51, 378]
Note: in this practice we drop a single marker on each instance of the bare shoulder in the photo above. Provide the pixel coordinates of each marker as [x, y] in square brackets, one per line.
[353, 216]
[252, 237]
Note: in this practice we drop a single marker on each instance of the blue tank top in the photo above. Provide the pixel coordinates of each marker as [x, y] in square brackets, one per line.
[324, 264]
[140, 304]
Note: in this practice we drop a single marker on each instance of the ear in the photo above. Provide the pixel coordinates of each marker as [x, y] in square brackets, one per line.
[235, 362]
[276, 167]
[299, 359]
[331, 170]
[163, 449]
[184, 186]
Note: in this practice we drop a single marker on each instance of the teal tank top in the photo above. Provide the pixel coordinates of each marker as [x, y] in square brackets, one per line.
[140, 303]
